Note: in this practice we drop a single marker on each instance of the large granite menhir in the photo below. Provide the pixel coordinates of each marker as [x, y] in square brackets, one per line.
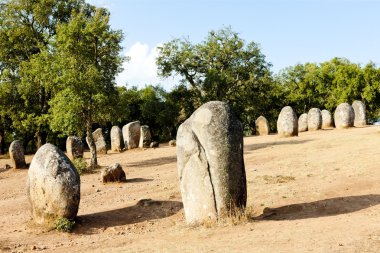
[287, 122]
[131, 135]
[210, 163]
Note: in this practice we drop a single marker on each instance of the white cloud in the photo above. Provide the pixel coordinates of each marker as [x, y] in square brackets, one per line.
[141, 69]
[100, 3]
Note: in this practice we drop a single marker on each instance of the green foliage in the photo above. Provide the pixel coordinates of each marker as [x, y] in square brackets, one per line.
[64, 225]
[81, 165]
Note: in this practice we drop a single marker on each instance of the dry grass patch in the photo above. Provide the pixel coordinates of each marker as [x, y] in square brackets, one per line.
[279, 179]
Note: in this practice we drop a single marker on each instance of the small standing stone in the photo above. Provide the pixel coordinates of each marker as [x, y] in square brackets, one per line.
[154, 144]
[302, 123]
[262, 126]
[327, 120]
[287, 123]
[314, 119]
[145, 137]
[16, 153]
[113, 173]
[131, 135]
[344, 116]
[74, 147]
[100, 143]
[360, 114]
[116, 139]
[172, 143]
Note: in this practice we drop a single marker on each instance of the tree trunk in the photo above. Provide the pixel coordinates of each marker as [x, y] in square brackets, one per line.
[41, 139]
[91, 145]
[2, 140]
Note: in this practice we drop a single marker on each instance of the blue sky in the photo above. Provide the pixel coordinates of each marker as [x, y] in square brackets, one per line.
[289, 32]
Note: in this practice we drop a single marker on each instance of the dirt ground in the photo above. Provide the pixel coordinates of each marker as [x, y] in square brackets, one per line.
[320, 192]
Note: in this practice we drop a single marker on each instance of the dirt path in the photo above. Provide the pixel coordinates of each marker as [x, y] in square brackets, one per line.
[320, 192]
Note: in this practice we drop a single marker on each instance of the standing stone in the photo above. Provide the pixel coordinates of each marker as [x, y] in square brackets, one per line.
[53, 186]
[287, 123]
[327, 120]
[262, 126]
[74, 147]
[172, 143]
[302, 122]
[113, 173]
[360, 115]
[100, 143]
[154, 144]
[116, 139]
[344, 116]
[210, 163]
[16, 153]
[145, 137]
[314, 119]
[131, 134]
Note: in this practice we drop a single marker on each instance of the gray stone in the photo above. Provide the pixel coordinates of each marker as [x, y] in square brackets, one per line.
[302, 122]
[262, 126]
[113, 173]
[100, 143]
[74, 147]
[314, 119]
[327, 120]
[154, 144]
[360, 119]
[131, 135]
[287, 123]
[145, 137]
[172, 143]
[53, 186]
[116, 139]
[344, 116]
[210, 163]
[16, 153]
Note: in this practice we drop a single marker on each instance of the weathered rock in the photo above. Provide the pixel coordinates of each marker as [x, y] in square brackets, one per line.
[210, 162]
[74, 147]
[287, 123]
[16, 153]
[262, 126]
[360, 114]
[154, 144]
[53, 186]
[116, 139]
[344, 116]
[314, 119]
[100, 143]
[327, 120]
[113, 173]
[302, 122]
[172, 143]
[145, 137]
[131, 134]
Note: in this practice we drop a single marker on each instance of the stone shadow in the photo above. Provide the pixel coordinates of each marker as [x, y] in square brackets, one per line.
[144, 210]
[256, 146]
[320, 208]
[139, 180]
[154, 162]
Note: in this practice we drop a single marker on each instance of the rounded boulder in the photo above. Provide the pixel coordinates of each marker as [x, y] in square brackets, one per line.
[344, 116]
[302, 122]
[360, 114]
[314, 119]
[287, 123]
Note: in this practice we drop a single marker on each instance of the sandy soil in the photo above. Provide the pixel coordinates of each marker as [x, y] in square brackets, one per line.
[320, 192]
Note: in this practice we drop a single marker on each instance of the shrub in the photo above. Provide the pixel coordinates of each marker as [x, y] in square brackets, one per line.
[64, 225]
[80, 164]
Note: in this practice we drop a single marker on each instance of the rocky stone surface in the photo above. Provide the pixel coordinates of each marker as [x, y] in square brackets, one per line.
[327, 120]
[287, 123]
[314, 119]
[53, 186]
[262, 126]
[116, 139]
[172, 143]
[74, 147]
[100, 143]
[344, 116]
[131, 135]
[113, 173]
[154, 144]
[145, 137]
[302, 122]
[360, 119]
[210, 162]
[16, 154]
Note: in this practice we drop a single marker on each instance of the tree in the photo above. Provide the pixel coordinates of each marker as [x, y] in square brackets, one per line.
[223, 67]
[88, 54]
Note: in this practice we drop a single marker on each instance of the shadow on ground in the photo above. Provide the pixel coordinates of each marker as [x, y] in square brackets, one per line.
[274, 143]
[154, 162]
[139, 180]
[320, 208]
[144, 210]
